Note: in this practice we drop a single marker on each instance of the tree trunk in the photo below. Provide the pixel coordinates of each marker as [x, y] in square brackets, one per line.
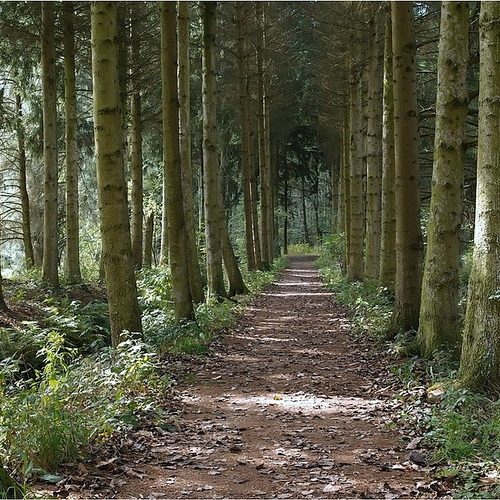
[407, 174]
[148, 241]
[73, 272]
[269, 177]
[181, 290]
[356, 196]
[373, 165]
[236, 283]
[137, 196]
[305, 228]
[346, 201]
[211, 184]
[285, 203]
[3, 307]
[246, 158]
[195, 278]
[264, 167]
[50, 229]
[439, 321]
[253, 198]
[480, 360]
[387, 274]
[112, 190]
[23, 186]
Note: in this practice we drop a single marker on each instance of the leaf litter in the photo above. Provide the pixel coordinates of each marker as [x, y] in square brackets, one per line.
[288, 405]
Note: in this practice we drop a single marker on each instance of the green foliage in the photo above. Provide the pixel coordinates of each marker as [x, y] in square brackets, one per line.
[300, 249]
[370, 305]
[462, 428]
[56, 417]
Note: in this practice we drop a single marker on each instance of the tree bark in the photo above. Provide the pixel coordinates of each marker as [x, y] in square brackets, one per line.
[407, 174]
[211, 181]
[480, 360]
[236, 284]
[183, 304]
[195, 278]
[246, 149]
[373, 164]
[148, 241]
[73, 272]
[50, 229]
[387, 274]
[439, 320]
[23, 186]
[112, 190]
[137, 195]
[346, 167]
[355, 266]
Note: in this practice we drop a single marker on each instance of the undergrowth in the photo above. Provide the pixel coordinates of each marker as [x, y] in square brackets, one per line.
[460, 428]
[63, 390]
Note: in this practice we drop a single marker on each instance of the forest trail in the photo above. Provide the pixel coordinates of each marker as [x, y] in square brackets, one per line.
[289, 406]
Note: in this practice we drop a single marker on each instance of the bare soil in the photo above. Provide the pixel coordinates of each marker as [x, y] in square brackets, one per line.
[289, 405]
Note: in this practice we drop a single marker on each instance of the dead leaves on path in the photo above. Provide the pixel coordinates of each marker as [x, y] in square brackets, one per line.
[288, 407]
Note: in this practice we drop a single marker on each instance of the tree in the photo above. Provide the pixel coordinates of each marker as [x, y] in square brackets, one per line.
[439, 321]
[112, 190]
[195, 277]
[387, 272]
[136, 164]
[183, 305]
[373, 154]
[480, 359]
[73, 272]
[23, 185]
[211, 181]
[50, 251]
[264, 142]
[408, 237]
[3, 305]
[356, 197]
[241, 19]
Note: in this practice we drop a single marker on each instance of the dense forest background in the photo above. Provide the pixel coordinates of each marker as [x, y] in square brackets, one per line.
[157, 159]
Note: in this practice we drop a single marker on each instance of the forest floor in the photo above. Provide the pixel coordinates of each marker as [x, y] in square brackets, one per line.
[288, 405]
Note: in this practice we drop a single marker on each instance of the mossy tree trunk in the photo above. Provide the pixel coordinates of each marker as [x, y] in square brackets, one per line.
[49, 87]
[387, 273]
[181, 290]
[73, 272]
[480, 360]
[112, 190]
[373, 154]
[439, 321]
[407, 173]
[195, 278]
[211, 181]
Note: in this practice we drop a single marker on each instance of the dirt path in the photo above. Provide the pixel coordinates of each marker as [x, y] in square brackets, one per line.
[290, 407]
